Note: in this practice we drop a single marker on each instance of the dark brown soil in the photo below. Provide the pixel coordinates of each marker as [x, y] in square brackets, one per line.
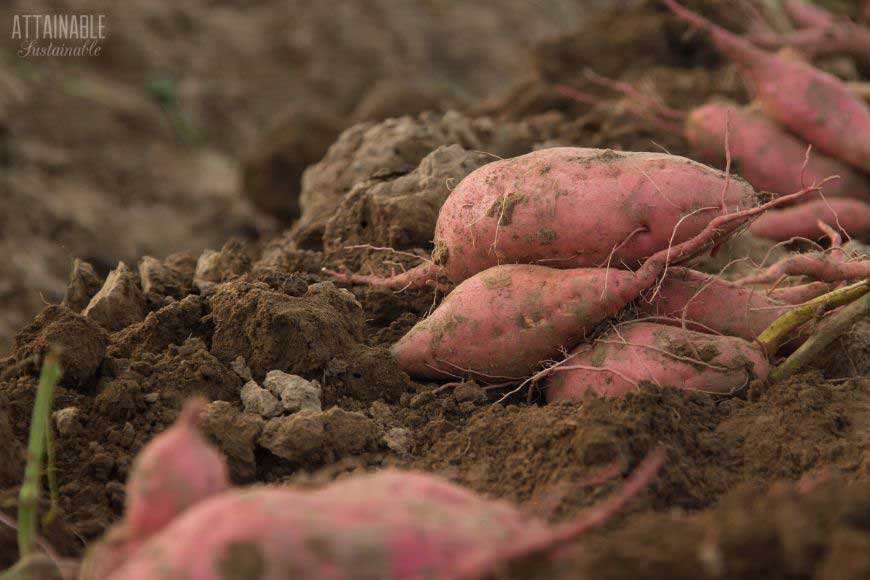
[771, 483]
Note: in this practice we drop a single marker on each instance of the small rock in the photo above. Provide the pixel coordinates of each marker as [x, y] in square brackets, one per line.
[128, 435]
[152, 397]
[259, 401]
[296, 393]
[235, 434]
[83, 284]
[298, 437]
[469, 392]
[240, 367]
[119, 303]
[398, 440]
[66, 420]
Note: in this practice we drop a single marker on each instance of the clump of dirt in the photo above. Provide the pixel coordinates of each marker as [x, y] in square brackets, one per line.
[79, 342]
[368, 150]
[398, 213]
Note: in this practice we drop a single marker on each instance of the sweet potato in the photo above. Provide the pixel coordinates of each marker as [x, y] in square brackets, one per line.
[501, 323]
[390, 525]
[851, 215]
[712, 304]
[768, 156]
[540, 208]
[505, 321]
[617, 362]
[815, 105]
[174, 471]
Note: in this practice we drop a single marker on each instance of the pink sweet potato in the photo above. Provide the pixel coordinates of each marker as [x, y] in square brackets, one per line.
[712, 304]
[851, 215]
[505, 321]
[617, 362]
[815, 105]
[543, 206]
[768, 156]
[174, 471]
[570, 207]
[501, 323]
[390, 525]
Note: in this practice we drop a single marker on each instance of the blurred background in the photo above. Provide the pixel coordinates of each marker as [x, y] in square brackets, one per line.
[140, 150]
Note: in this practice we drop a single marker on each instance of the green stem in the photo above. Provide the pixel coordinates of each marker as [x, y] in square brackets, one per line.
[51, 474]
[828, 331]
[780, 328]
[28, 498]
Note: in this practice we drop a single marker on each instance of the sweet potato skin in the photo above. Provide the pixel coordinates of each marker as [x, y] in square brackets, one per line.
[852, 215]
[769, 157]
[386, 525]
[826, 113]
[505, 321]
[713, 304]
[174, 471]
[568, 207]
[616, 363]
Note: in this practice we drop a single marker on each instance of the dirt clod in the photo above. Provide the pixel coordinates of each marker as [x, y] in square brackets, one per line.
[83, 284]
[80, 343]
[235, 434]
[119, 303]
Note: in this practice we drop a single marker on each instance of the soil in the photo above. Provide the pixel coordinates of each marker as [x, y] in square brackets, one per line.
[773, 482]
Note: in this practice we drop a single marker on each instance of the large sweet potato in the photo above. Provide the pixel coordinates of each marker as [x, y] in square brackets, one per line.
[569, 207]
[501, 323]
[389, 525]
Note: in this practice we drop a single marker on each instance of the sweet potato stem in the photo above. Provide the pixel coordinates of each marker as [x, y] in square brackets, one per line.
[827, 332]
[780, 328]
